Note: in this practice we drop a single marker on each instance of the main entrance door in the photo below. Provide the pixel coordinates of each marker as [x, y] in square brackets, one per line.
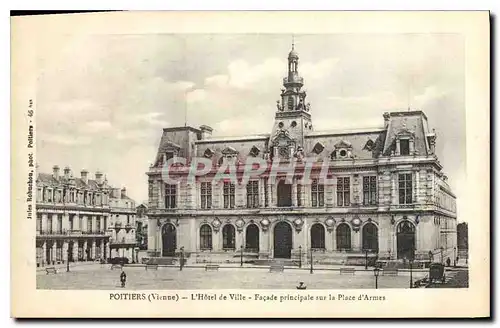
[406, 240]
[169, 240]
[282, 240]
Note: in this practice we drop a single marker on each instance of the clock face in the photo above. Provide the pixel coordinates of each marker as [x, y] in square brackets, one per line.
[356, 221]
[264, 222]
[283, 151]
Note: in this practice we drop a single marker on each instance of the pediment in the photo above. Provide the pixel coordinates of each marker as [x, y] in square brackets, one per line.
[405, 133]
[171, 145]
[282, 137]
[343, 144]
[229, 151]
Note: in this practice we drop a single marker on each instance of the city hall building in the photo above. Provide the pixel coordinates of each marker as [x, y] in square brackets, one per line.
[386, 194]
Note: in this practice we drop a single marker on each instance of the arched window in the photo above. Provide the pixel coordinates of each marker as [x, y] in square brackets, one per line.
[343, 237]
[228, 237]
[205, 237]
[317, 236]
[370, 237]
[252, 238]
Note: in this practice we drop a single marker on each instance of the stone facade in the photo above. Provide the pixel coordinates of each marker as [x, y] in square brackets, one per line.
[74, 217]
[386, 192]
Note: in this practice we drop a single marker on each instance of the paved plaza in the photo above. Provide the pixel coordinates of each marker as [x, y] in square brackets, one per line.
[170, 278]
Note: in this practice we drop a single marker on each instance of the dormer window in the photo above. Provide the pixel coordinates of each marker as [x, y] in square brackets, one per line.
[404, 147]
[370, 145]
[318, 148]
[229, 155]
[405, 144]
[342, 150]
[254, 152]
[169, 155]
[208, 153]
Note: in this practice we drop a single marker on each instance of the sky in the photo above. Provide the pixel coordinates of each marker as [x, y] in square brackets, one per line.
[103, 100]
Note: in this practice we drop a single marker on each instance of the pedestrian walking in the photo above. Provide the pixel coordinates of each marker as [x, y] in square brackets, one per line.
[123, 278]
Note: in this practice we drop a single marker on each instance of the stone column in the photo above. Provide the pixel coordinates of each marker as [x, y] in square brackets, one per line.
[415, 177]
[76, 222]
[294, 193]
[54, 251]
[75, 250]
[84, 254]
[44, 253]
[269, 193]
[65, 251]
[93, 249]
[394, 199]
[44, 223]
[262, 193]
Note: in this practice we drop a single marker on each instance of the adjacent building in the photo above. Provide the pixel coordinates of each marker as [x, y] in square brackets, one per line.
[122, 225]
[386, 193]
[75, 217]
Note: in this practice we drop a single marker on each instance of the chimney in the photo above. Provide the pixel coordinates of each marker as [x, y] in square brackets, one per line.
[124, 192]
[99, 177]
[84, 175]
[55, 170]
[115, 193]
[386, 119]
[67, 172]
[206, 132]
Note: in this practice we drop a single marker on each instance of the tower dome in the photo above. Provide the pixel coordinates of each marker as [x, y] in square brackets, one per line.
[293, 54]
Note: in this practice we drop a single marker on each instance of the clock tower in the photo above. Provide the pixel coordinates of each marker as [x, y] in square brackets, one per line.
[292, 120]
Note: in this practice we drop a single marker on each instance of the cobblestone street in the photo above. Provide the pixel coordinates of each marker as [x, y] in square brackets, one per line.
[226, 278]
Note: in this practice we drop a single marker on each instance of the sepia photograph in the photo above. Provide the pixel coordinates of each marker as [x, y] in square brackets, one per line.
[253, 161]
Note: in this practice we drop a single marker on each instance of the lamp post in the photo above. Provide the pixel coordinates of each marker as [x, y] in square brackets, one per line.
[411, 273]
[182, 259]
[67, 261]
[454, 256]
[300, 256]
[241, 255]
[376, 272]
[311, 270]
[137, 255]
[366, 259]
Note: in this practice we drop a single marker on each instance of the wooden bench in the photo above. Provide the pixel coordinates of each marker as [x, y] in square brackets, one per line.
[116, 266]
[276, 268]
[390, 272]
[348, 270]
[211, 267]
[151, 267]
[51, 270]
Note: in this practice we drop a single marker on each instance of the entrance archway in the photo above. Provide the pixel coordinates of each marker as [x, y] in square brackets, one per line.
[252, 238]
[282, 240]
[406, 240]
[370, 237]
[284, 194]
[169, 240]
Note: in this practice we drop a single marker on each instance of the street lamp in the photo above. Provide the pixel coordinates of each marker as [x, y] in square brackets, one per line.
[411, 273]
[300, 256]
[311, 270]
[67, 262]
[366, 259]
[376, 272]
[241, 255]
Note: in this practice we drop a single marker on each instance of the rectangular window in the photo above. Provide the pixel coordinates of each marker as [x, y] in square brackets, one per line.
[228, 195]
[98, 224]
[170, 195]
[206, 195]
[39, 223]
[59, 223]
[59, 257]
[370, 190]
[105, 223]
[317, 194]
[49, 224]
[89, 224]
[253, 194]
[404, 147]
[299, 194]
[266, 193]
[405, 188]
[343, 191]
